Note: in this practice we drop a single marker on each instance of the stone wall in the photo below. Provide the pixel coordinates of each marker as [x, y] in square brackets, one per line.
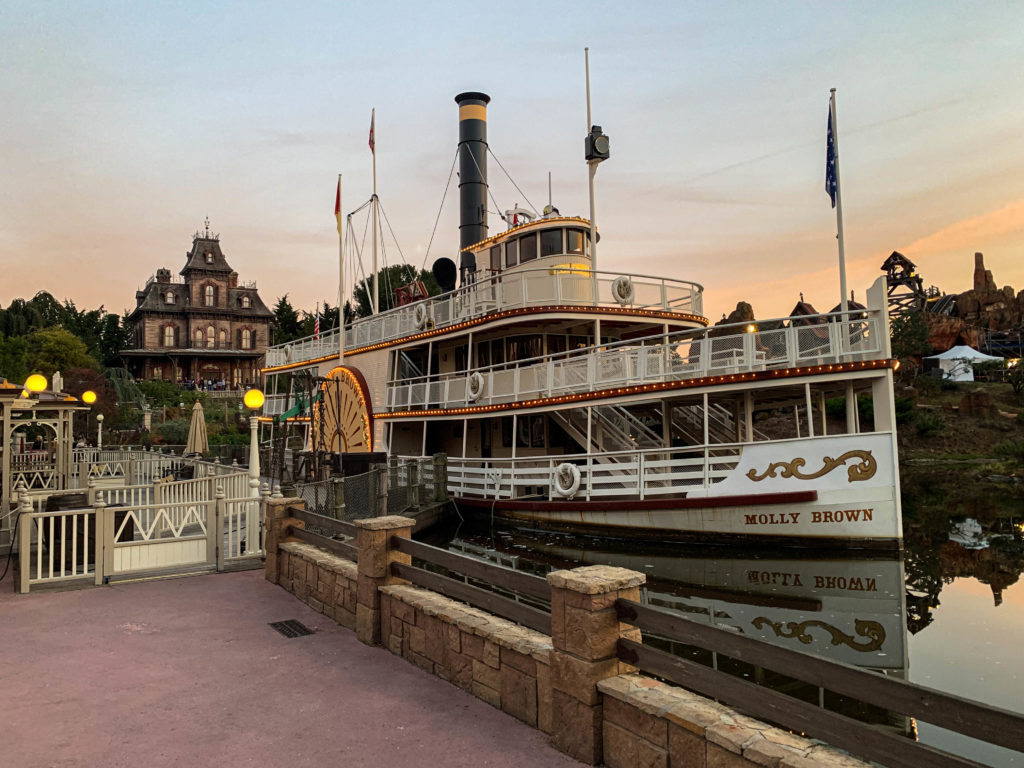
[502, 663]
[571, 685]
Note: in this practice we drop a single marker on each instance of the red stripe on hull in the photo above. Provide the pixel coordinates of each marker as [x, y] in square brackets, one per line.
[701, 502]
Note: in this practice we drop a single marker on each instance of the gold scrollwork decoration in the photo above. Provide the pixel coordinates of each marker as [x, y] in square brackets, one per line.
[872, 630]
[862, 470]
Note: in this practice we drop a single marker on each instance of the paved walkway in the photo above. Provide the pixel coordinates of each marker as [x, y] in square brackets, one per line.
[186, 672]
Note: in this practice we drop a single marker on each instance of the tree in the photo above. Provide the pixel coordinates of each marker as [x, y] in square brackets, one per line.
[55, 349]
[389, 279]
[909, 336]
[285, 325]
[116, 336]
[14, 358]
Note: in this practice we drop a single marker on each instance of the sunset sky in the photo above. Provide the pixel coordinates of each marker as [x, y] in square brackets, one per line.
[125, 124]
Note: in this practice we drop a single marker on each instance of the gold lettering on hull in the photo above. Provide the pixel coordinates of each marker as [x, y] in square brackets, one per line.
[863, 470]
[872, 630]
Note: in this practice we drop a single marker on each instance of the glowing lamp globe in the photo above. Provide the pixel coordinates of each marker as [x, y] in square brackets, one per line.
[35, 383]
[253, 399]
[89, 397]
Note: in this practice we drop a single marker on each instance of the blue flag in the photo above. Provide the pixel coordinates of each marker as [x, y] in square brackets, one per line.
[830, 161]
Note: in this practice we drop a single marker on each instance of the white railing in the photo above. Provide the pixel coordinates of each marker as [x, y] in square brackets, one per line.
[658, 358]
[640, 474]
[510, 290]
[59, 546]
[142, 528]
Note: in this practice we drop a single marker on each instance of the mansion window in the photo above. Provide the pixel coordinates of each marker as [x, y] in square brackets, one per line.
[208, 295]
[169, 297]
[169, 336]
[223, 339]
[209, 258]
[245, 302]
[158, 372]
[246, 339]
[210, 342]
[199, 337]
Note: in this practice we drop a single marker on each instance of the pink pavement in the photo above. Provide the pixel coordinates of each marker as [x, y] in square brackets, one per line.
[186, 672]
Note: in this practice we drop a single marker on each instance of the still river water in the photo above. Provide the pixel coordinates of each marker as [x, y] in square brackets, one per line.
[948, 614]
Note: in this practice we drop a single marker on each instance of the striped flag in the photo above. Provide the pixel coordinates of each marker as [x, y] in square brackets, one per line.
[830, 160]
[373, 119]
[316, 323]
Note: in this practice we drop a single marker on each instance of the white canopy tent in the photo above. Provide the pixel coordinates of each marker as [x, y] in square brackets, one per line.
[957, 363]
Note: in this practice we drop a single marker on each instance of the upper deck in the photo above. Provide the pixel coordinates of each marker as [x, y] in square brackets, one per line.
[559, 287]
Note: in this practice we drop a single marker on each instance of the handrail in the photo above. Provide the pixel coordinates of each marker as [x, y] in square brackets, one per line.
[477, 597]
[321, 521]
[342, 548]
[992, 724]
[497, 575]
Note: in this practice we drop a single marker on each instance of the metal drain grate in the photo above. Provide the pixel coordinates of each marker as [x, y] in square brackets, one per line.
[291, 628]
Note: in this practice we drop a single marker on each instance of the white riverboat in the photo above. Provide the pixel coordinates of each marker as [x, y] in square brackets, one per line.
[573, 398]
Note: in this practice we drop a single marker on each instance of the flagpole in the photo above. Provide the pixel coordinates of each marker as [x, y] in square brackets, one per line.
[375, 304]
[341, 279]
[843, 305]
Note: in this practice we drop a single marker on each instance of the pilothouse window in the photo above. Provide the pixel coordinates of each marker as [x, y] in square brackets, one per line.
[574, 242]
[511, 253]
[527, 248]
[550, 242]
[496, 258]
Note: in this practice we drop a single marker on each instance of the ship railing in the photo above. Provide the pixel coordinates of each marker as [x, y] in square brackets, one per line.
[691, 354]
[641, 474]
[505, 291]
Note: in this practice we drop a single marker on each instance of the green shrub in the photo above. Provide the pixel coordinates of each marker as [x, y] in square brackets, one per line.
[927, 424]
[173, 431]
[835, 406]
[927, 385]
[904, 409]
[948, 385]
[1011, 450]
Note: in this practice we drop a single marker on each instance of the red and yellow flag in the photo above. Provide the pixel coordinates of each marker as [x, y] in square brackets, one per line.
[337, 205]
[373, 119]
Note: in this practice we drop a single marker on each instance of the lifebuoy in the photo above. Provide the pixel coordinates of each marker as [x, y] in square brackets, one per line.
[622, 290]
[566, 480]
[474, 386]
[419, 315]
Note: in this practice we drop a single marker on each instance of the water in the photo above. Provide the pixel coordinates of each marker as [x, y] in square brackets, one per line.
[949, 614]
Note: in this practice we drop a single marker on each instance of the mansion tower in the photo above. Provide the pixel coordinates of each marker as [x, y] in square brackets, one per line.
[203, 325]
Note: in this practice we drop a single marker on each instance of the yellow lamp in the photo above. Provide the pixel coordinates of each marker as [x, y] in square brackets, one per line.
[35, 383]
[89, 397]
[253, 399]
[751, 328]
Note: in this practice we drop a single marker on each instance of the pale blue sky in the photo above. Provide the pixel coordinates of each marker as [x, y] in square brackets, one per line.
[124, 124]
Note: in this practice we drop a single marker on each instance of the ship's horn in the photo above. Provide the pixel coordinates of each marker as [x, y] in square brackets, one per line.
[472, 176]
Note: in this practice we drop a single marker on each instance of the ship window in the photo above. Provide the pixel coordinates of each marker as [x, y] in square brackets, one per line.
[550, 242]
[574, 241]
[511, 253]
[524, 347]
[531, 431]
[461, 353]
[527, 248]
[496, 258]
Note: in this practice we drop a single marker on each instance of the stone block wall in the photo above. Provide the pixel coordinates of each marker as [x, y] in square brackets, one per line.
[326, 583]
[653, 724]
[506, 665]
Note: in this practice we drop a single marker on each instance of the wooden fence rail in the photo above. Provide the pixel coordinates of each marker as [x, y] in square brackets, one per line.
[996, 726]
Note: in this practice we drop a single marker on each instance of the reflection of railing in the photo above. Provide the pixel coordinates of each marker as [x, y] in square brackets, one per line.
[658, 358]
[526, 288]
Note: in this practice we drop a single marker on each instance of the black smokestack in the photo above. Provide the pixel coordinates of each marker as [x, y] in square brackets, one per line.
[472, 175]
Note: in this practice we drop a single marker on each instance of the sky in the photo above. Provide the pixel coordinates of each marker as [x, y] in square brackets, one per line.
[124, 124]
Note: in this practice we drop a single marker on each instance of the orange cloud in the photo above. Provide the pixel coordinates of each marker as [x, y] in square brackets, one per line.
[971, 234]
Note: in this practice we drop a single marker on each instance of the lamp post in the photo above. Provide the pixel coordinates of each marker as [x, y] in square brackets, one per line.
[99, 431]
[253, 401]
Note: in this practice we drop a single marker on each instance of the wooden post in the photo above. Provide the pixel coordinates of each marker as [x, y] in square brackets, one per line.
[440, 477]
[585, 632]
[414, 483]
[24, 537]
[100, 536]
[374, 569]
[338, 483]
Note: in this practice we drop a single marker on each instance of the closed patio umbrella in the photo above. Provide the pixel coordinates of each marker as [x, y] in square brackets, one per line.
[197, 442]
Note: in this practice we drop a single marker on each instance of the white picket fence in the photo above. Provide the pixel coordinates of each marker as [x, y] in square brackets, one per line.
[207, 523]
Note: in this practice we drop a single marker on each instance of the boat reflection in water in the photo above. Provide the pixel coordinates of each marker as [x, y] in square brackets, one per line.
[847, 609]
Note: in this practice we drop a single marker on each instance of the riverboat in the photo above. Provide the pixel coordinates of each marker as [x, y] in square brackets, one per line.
[573, 398]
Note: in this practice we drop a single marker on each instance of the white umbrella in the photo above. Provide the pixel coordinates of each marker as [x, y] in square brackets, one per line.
[197, 442]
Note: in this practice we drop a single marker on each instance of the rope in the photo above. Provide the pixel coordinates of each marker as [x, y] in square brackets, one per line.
[439, 209]
[532, 206]
[488, 186]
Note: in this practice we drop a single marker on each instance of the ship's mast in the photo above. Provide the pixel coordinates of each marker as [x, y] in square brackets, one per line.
[374, 300]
